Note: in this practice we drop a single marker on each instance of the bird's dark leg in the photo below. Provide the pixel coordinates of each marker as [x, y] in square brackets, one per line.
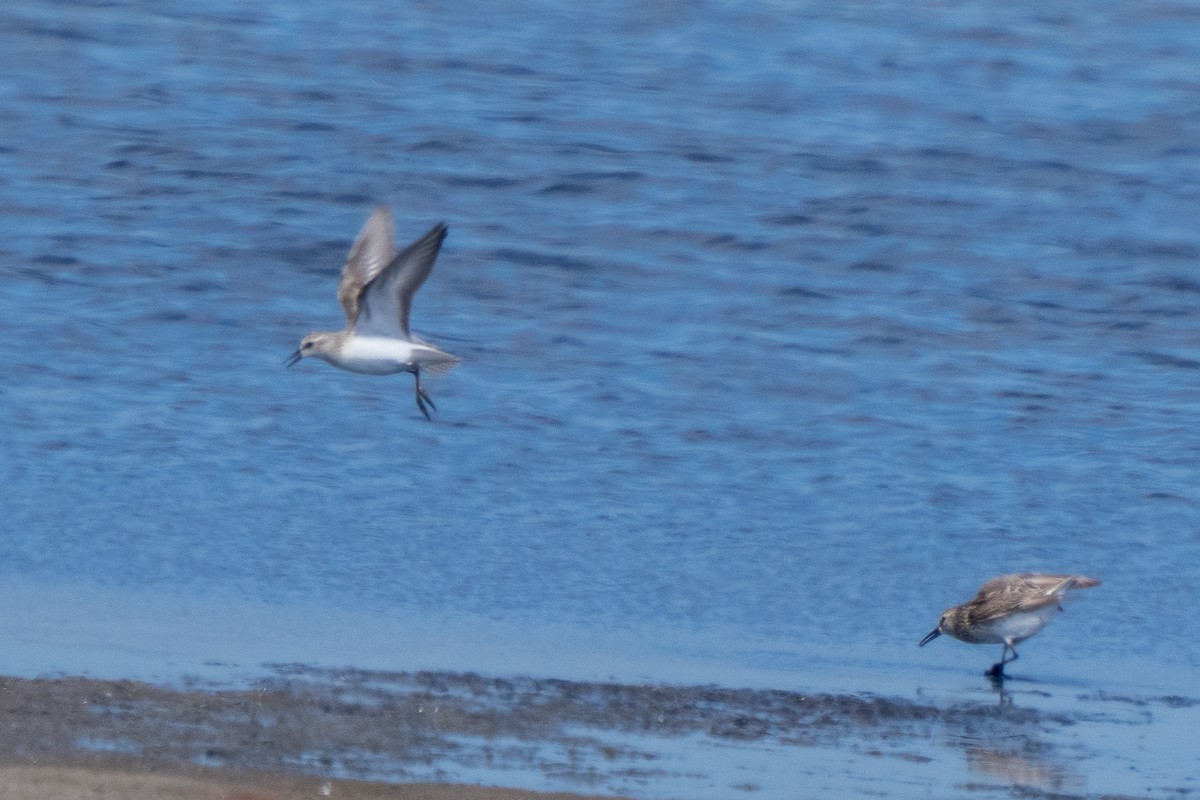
[422, 397]
[997, 670]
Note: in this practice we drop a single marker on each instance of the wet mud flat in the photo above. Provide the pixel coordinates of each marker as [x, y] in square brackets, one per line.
[351, 733]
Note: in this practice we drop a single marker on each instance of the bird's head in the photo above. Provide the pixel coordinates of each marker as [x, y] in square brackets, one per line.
[315, 344]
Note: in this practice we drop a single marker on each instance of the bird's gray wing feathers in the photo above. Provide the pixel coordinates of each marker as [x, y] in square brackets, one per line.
[372, 251]
[386, 300]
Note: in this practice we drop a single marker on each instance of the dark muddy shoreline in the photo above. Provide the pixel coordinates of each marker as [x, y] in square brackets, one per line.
[529, 733]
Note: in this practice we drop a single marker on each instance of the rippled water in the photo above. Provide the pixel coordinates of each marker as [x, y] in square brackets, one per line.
[781, 329]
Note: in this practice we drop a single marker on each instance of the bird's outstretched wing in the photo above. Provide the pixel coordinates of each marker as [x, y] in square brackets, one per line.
[372, 251]
[385, 301]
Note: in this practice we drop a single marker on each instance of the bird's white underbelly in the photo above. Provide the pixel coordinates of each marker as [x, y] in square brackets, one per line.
[378, 355]
[1021, 626]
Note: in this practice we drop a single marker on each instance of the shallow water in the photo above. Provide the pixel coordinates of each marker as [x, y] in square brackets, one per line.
[781, 331]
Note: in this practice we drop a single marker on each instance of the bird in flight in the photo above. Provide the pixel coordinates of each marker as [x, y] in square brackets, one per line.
[376, 292]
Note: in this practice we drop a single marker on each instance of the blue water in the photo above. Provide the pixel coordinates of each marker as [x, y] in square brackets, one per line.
[782, 329]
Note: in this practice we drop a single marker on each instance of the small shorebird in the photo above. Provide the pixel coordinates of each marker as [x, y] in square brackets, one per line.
[376, 292]
[1008, 610]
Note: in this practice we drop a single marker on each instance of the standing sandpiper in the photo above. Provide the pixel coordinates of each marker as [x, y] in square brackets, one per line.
[1008, 610]
[376, 292]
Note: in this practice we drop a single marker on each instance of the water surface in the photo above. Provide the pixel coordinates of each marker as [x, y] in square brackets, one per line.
[781, 331]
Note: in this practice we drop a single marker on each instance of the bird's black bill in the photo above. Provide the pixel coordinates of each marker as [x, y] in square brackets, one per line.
[292, 359]
[929, 637]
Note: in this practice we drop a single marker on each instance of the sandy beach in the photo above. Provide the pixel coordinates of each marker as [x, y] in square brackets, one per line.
[82, 780]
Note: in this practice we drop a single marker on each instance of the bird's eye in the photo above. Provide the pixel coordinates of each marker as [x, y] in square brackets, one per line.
[307, 345]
